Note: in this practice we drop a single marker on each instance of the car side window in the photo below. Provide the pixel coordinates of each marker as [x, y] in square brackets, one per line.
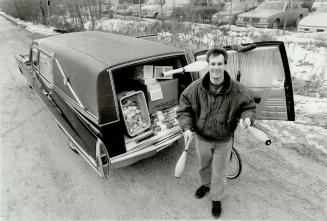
[35, 59]
[46, 69]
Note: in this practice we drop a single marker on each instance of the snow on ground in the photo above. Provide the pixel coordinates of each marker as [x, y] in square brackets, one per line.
[311, 110]
[307, 55]
[34, 28]
[306, 60]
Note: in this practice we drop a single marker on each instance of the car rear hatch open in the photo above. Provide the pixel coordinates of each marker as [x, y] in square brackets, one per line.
[161, 100]
[264, 70]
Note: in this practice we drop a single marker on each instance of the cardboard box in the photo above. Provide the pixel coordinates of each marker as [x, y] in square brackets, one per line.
[154, 92]
[169, 90]
[158, 70]
[148, 81]
[143, 72]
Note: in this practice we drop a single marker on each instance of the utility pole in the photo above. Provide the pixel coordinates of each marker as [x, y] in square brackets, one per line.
[161, 15]
[48, 7]
[287, 12]
[230, 14]
[140, 10]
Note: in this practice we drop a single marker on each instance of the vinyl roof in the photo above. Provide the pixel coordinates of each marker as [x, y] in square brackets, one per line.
[84, 57]
[107, 48]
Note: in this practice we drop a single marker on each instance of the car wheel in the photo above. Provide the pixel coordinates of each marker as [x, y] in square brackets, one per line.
[155, 15]
[275, 25]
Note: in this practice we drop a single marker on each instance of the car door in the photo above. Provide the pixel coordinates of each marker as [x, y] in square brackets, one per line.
[265, 72]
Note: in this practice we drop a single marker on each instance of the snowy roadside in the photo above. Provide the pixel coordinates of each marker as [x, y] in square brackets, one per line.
[305, 61]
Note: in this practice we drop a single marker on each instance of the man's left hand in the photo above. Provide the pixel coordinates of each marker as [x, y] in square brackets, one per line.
[245, 123]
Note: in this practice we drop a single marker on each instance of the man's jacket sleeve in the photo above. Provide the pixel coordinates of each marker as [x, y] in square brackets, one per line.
[247, 107]
[185, 112]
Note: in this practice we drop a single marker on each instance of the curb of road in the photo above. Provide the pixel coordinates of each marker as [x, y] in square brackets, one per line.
[10, 18]
[28, 27]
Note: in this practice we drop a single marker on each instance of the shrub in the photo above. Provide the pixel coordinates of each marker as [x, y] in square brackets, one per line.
[310, 87]
[194, 14]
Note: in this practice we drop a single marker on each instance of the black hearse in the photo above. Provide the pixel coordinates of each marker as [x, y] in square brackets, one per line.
[85, 79]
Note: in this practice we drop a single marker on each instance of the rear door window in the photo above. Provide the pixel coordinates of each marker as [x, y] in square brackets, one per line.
[45, 63]
[35, 59]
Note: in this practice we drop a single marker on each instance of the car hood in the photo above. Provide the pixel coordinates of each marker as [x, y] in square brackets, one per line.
[149, 6]
[224, 13]
[315, 19]
[234, 12]
[260, 14]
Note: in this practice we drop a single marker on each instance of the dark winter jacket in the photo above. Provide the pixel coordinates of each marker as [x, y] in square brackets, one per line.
[214, 116]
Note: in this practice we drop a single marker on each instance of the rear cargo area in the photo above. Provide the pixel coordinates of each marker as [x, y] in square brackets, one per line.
[148, 101]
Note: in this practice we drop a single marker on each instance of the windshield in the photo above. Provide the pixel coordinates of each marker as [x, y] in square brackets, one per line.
[179, 2]
[322, 9]
[153, 2]
[236, 7]
[271, 6]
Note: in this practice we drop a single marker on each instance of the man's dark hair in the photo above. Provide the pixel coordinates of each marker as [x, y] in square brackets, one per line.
[216, 52]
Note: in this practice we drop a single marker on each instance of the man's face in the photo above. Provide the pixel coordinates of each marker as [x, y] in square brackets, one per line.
[216, 67]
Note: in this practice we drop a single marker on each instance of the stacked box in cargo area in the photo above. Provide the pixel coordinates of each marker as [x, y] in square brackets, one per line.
[165, 119]
[148, 104]
[161, 92]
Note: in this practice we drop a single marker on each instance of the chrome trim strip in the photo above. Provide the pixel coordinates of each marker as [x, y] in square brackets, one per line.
[85, 113]
[165, 145]
[132, 155]
[104, 173]
[72, 103]
[85, 121]
[114, 95]
[98, 157]
[151, 148]
[78, 148]
[66, 82]
[45, 50]
[45, 81]
[147, 59]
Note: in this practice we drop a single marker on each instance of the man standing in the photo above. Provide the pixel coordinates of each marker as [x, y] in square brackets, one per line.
[211, 107]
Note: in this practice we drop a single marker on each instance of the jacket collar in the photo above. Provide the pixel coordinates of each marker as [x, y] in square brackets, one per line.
[226, 84]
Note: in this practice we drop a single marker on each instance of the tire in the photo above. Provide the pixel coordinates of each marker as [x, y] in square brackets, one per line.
[156, 15]
[72, 147]
[275, 25]
[234, 168]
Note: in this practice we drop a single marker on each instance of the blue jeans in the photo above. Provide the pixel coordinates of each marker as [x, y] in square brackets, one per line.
[213, 159]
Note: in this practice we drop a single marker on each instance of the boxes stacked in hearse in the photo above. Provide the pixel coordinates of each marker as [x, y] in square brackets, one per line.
[148, 102]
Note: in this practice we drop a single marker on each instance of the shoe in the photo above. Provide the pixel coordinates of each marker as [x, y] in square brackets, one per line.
[216, 209]
[201, 192]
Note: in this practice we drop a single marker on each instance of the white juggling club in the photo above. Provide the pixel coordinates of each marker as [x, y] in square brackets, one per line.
[180, 165]
[193, 67]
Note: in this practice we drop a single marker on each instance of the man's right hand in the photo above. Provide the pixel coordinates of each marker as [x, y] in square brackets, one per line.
[188, 136]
